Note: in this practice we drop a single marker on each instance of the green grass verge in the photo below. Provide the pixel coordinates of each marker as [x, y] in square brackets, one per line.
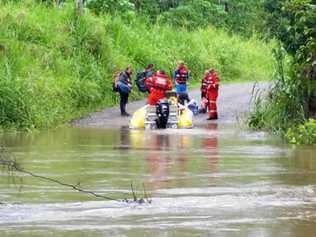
[55, 66]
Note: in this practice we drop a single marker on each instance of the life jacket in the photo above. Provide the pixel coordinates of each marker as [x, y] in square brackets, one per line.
[210, 81]
[181, 75]
[159, 81]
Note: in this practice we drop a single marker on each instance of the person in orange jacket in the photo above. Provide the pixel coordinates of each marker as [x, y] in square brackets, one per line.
[157, 85]
[209, 93]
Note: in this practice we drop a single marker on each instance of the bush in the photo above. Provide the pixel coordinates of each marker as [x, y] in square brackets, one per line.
[110, 6]
[199, 13]
[303, 134]
[291, 100]
[282, 107]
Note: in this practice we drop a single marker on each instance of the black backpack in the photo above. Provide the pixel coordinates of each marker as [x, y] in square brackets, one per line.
[115, 81]
[140, 81]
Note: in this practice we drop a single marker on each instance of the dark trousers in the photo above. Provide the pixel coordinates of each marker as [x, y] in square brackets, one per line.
[123, 101]
[182, 97]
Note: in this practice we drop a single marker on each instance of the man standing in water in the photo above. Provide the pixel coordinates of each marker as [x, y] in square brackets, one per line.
[124, 85]
[209, 93]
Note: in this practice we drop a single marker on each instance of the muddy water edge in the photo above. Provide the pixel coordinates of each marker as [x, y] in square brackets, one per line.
[213, 180]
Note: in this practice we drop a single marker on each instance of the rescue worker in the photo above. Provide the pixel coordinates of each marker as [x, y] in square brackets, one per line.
[180, 77]
[149, 70]
[209, 93]
[124, 85]
[204, 101]
[142, 76]
[157, 85]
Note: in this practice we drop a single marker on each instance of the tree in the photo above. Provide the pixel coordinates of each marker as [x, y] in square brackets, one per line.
[79, 6]
[293, 23]
[110, 6]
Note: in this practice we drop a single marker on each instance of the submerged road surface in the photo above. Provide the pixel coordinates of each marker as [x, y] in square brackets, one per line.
[216, 179]
[233, 101]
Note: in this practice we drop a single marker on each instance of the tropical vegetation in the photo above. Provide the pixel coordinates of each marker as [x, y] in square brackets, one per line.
[292, 100]
[57, 61]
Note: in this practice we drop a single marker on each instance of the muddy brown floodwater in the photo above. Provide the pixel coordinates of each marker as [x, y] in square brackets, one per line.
[217, 179]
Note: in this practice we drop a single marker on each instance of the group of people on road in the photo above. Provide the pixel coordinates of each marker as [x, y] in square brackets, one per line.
[158, 83]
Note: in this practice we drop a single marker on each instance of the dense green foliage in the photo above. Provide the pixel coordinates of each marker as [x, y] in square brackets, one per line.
[240, 16]
[303, 134]
[55, 65]
[283, 106]
[289, 104]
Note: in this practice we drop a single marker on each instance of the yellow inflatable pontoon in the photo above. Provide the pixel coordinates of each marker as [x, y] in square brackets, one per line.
[145, 118]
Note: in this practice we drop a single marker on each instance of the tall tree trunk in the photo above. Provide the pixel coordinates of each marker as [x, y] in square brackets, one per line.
[79, 7]
[137, 5]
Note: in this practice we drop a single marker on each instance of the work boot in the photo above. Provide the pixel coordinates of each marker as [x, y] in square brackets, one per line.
[124, 114]
[202, 111]
[212, 117]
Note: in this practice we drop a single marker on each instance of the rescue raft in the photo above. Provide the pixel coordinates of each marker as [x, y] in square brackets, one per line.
[147, 117]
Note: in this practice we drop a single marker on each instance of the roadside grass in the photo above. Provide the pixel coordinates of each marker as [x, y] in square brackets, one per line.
[282, 111]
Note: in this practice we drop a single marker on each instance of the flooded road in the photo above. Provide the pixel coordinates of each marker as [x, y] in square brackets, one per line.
[214, 180]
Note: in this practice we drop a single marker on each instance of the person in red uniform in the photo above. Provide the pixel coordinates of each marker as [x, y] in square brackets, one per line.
[157, 85]
[209, 93]
[181, 77]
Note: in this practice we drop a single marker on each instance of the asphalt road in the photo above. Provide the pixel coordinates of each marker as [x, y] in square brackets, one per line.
[233, 103]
